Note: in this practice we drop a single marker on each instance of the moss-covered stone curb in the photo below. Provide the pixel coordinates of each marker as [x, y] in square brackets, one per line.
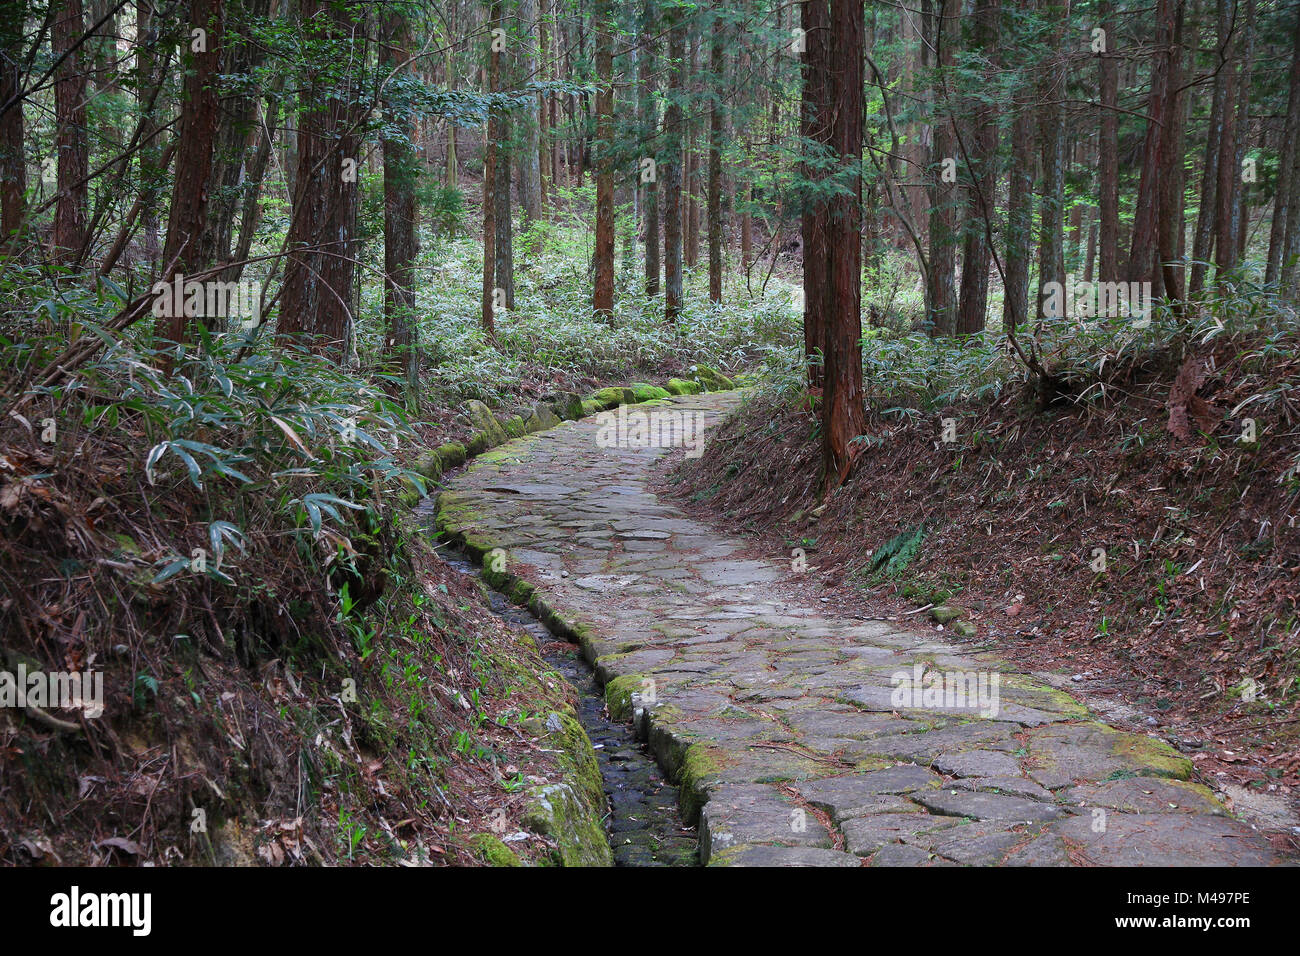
[759, 706]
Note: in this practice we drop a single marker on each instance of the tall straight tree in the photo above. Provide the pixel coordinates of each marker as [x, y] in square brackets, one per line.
[1051, 136]
[672, 167]
[194, 156]
[716, 112]
[1288, 185]
[530, 161]
[13, 162]
[401, 169]
[73, 163]
[982, 152]
[1203, 241]
[503, 147]
[603, 294]
[649, 173]
[315, 304]
[1020, 204]
[1142, 258]
[1108, 146]
[843, 416]
[490, 172]
[941, 291]
[1170, 161]
[815, 118]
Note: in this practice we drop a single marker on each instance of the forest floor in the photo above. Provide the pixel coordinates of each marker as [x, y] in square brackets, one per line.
[1191, 629]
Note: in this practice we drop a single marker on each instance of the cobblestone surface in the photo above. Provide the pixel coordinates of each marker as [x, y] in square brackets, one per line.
[797, 737]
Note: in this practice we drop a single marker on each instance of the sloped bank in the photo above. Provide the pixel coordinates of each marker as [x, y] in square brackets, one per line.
[572, 813]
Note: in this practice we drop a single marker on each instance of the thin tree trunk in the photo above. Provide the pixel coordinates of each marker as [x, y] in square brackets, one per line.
[13, 163]
[815, 120]
[672, 174]
[1203, 242]
[401, 171]
[1051, 132]
[715, 167]
[1108, 148]
[489, 184]
[942, 292]
[1172, 142]
[972, 310]
[530, 166]
[650, 176]
[1143, 253]
[73, 162]
[603, 296]
[1288, 187]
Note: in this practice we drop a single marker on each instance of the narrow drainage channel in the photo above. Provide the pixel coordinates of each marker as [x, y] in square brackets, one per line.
[643, 822]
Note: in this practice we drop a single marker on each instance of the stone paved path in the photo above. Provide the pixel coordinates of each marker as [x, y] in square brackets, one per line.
[793, 733]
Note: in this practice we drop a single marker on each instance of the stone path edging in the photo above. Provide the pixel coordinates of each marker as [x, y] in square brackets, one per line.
[782, 724]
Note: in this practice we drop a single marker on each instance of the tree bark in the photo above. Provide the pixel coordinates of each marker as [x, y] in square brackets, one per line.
[314, 305]
[1108, 149]
[603, 296]
[843, 413]
[73, 164]
[1142, 255]
[1203, 242]
[1173, 177]
[13, 162]
[197, 141]
[972, 310]
[815, 121]
[401, 172]
[716, 63]
[649, 123]
[672, 169]
[1288, 187]
[530, 164]
[941, 292]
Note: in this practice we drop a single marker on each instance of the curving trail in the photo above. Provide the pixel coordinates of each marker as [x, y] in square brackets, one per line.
[800, 738]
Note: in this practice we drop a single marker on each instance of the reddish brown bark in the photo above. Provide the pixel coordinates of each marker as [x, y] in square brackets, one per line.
[70, 138]
[603, 297]
[314, 307]
[1142, 254]
[671, 169]
[13, 165]
[1108, 150]
[196, 142]
[815, 118]
[843, 415]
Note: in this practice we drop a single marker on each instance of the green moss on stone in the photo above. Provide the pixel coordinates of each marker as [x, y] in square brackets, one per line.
[1152, 755]
[679, 386]
[513, 426]
[618, 695]
[493, 851]
[648, 393]
[712, 379]
[702, 764]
